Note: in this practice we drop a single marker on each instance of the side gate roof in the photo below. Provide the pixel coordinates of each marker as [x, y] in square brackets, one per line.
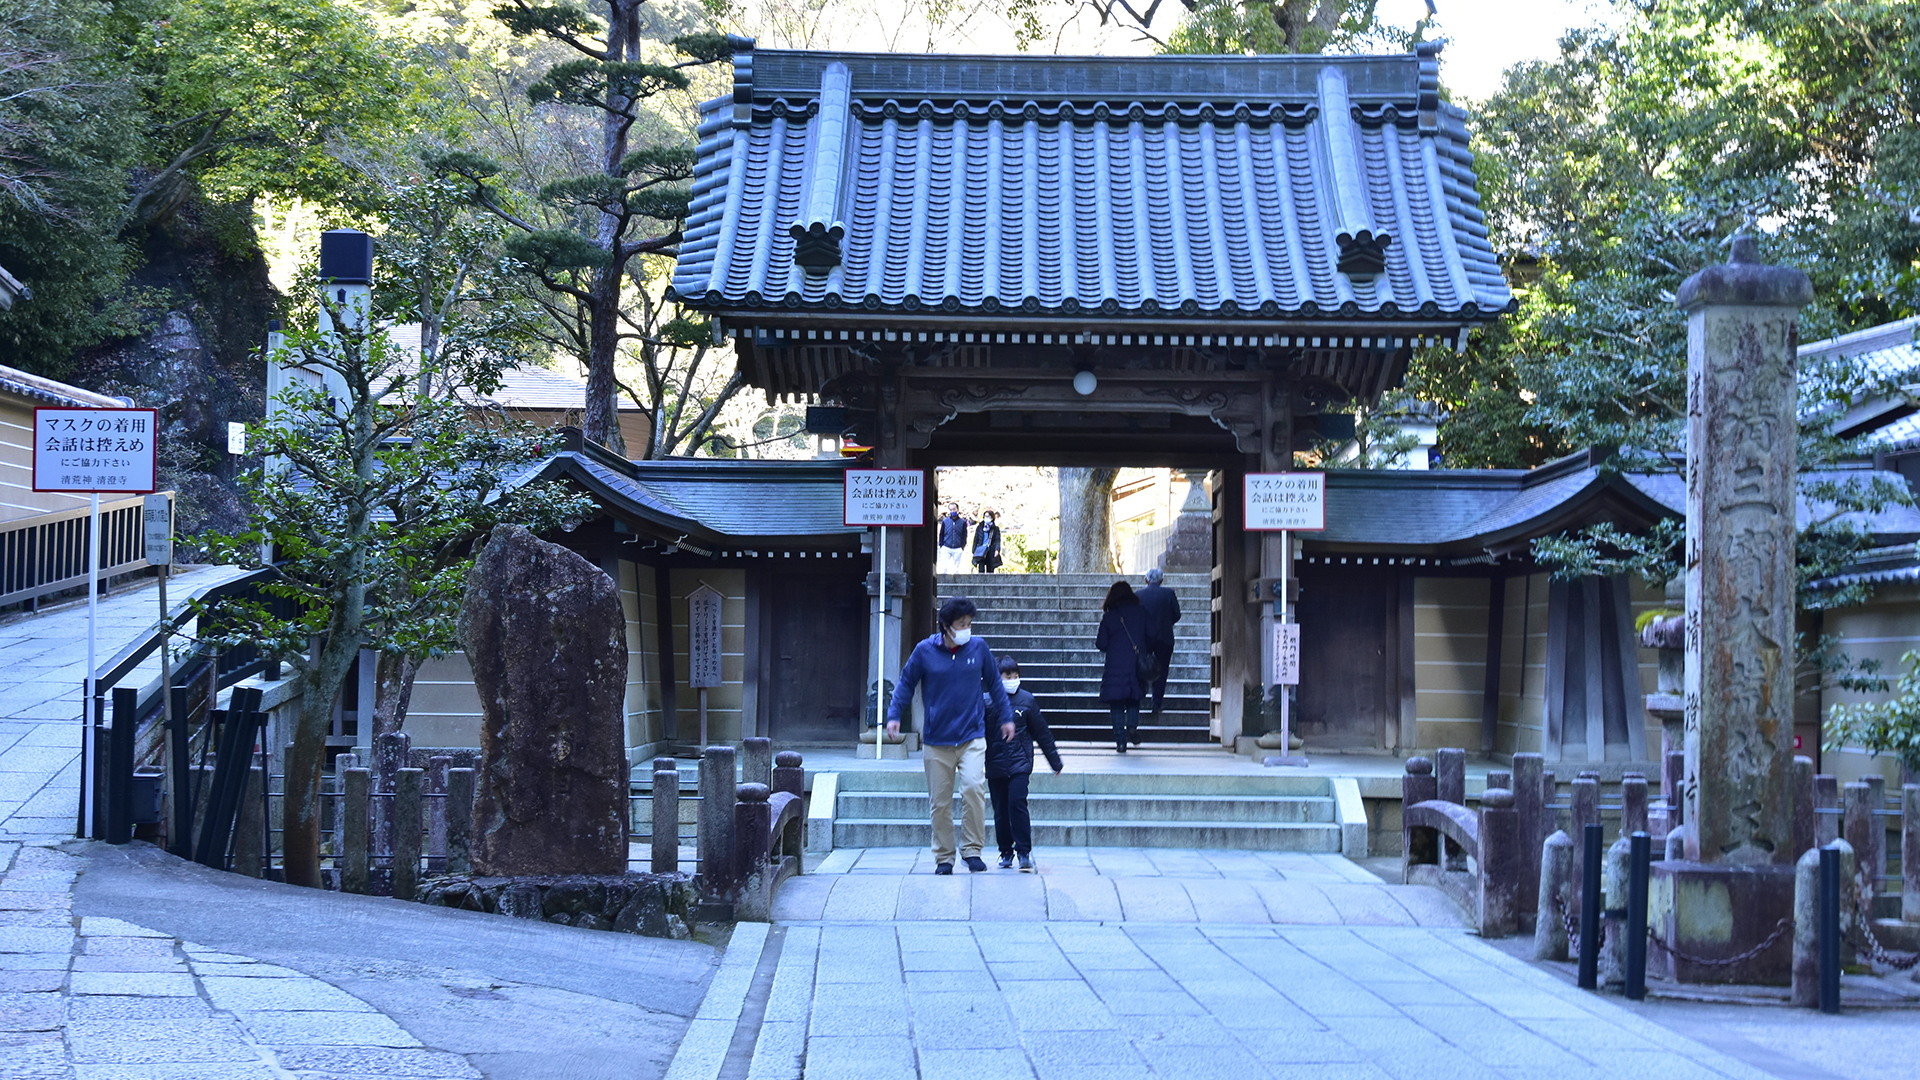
[1066, 188]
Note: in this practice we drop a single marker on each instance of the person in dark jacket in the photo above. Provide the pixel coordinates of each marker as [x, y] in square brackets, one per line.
[1163, 610]
[1123, 637]
[953, 542]
[986, 543]
[960, 684]
[1010, 767]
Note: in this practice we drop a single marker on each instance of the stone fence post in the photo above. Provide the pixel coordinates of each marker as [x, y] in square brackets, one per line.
[459, 820]
[666, 816]
[718, 788]
[756, 761]
[1416, 786]
[1910, 852]
[1559, 897]
[1633, 803]
[1499, 864]
[1804, 828]
[1826, 796]
[435, 810]
[405, 816]
[788, 773]
[1861, 826]
[353, 831]
[1527, 769]
[1806, 921]
[752, 819]
[1450, 774]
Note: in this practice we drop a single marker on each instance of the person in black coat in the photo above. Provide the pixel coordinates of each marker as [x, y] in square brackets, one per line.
[1123, 637]
[1163, 610]
[986, 543]
[1010, 767]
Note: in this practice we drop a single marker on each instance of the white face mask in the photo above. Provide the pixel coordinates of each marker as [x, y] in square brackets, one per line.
[1011, 684]
[961, 637]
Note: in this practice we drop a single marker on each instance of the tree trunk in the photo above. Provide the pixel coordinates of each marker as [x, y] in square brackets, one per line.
[309, 751]
[1086, 521]
[601, 420]
[393, 692]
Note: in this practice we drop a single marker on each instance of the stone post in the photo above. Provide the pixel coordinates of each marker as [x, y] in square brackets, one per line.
[1861, 826]
[788, 773]
[1500, 778]
[756, 761]
[1806, 922]
[459, 820]
[1416, 786]
[1803, 823]
[717, 796]
[1876, 830]
[1549, 793]
[666, 816]
[1633, 804]
[1910, 852]
[1526, 803]
[1586, 802]
[249, 826]
[353, 831]
[1450, 773]
[1499, 864]
[1613, 921]
[1559, 897]
[752, 818]
[390, 752]
[407, 784]
[1742, 401]
[1673, 786]
[1826, 796]
[436, 810]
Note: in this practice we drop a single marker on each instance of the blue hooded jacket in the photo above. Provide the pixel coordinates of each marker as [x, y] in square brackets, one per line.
[954, 679]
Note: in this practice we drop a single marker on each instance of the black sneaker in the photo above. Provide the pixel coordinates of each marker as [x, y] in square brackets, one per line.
[1006, 862]
[1134, 735]
[943, 868]
[976, 864]
[1026, 864]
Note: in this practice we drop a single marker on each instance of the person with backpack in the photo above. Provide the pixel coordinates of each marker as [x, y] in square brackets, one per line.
[960, 685]
[1010, 767]
[1129, 668]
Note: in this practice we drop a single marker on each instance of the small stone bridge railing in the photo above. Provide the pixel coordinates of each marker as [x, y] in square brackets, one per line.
[1477, 857]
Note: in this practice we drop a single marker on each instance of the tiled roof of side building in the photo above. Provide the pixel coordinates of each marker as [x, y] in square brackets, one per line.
[44, 391]
[1212, 186]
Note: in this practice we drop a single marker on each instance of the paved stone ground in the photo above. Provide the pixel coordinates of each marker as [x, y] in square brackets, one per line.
[1112, 885]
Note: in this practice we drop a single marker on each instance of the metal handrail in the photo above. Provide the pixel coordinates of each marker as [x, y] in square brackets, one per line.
[47, 553]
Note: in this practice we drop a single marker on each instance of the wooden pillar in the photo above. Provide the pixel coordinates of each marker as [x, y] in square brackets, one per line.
[663, 615]
[1238, 651]
[1275, 549]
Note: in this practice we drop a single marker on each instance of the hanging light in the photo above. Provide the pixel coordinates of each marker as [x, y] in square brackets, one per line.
[1084, 383]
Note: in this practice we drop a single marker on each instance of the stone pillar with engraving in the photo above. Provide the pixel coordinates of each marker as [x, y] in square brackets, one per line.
[1736, 884]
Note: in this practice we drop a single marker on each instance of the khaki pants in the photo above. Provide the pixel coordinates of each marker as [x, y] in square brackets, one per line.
[970, 761]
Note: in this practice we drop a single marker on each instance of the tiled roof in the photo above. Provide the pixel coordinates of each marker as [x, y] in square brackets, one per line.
[1246, 188]
[45, 391]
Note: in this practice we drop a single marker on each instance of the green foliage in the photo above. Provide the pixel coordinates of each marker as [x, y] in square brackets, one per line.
[553, 20]
[611, 85]
[1029, 560]
[704, 48]
[1889, 727]
[660, 162]
[1276, 26]
[555, 249]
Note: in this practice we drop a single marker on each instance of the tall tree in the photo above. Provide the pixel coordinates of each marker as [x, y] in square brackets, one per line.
[1086, 520]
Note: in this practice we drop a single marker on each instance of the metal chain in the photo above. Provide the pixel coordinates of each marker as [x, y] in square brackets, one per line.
[1863, 918]
[1779, 930]
[1573, 935]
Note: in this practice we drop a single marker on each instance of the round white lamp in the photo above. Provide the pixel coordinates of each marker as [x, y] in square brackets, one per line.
[1084, 383]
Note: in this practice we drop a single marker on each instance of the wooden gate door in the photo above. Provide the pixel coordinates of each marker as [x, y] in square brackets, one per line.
[1348, 696]
[818, 657]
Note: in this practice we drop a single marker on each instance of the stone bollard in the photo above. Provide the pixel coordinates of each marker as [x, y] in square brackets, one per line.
[1499, 864]
[1826, 796]
[1860, 825]
[1526, 803]
[459, 820]
[1804, 828]
[406, 818]
[1416, 786]
[1910, 852]
[1613, 892]
[717, 793]
[390, 752]
[666, 816]
[752, 820]
[353, 831]
[249, 827]
[1559, 892]
[1586, 802]
[1450, 775]
[436, 811]
[1876, 831]
[789, 775]
[756, 761]
[1633, 803]
[1806, 921]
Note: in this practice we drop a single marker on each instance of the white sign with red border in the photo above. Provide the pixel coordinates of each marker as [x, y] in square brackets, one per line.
[95, 450]
[886, 497]
[1286, 502]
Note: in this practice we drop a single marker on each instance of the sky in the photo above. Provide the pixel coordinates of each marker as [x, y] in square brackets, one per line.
[1486, 36]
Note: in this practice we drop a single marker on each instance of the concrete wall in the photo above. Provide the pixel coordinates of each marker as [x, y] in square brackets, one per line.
[1883, 629]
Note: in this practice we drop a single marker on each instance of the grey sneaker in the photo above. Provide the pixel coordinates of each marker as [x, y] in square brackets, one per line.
[1006, 862]
[976, 864]
[1026, 864]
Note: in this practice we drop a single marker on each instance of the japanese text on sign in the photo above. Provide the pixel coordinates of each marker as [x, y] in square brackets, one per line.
[105, 450]
[886, 497]
[156, 521]
[1286, 654]
[1291, 501]
[703, 637]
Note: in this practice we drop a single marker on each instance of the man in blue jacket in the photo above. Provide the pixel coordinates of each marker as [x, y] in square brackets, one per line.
[954, 669]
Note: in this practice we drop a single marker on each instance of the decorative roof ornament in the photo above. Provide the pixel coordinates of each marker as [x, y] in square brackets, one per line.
[817, 235]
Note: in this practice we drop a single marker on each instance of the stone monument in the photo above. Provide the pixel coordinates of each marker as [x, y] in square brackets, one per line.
[546, 636]
[1736, 883]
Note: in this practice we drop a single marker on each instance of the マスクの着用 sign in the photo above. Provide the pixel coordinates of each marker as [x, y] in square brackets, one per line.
[886, 497]
[95, 450]
[1286, 502]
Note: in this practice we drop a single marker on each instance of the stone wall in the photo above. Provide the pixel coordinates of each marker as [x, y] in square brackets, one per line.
[652, 905]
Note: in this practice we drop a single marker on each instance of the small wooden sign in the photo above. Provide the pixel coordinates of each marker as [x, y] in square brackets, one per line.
[1286, 654]
[703, 637]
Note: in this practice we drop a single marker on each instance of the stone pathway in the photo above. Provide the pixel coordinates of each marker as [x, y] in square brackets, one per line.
[43, 659]
[1090, 1001]
[1112, 885]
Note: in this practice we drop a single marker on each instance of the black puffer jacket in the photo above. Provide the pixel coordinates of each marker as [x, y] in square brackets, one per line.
[1013, 757]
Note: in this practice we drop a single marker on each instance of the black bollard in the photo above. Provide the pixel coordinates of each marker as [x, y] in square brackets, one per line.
[1829, 930]
[1590, 906]
[1639, 866]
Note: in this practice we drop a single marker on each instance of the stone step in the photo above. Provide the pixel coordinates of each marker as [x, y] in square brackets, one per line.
[1237, 836]
[911, 806]
[1101, 734]
[1275, 785]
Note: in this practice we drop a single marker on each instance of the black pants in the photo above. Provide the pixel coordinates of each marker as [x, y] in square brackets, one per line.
[982, 564]
[1163, 663]
[1012, 825]
[1126, 718]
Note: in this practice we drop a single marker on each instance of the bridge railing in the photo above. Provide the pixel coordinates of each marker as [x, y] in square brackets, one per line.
[1474, 856]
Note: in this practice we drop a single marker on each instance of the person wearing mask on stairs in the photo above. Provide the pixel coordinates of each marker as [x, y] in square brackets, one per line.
[1127, 673]
[1163, 611]
[953, 542]
[960, 685]
[986, 543]
[1010, 767]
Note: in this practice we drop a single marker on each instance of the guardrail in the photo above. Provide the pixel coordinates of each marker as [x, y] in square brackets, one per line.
[47, 553]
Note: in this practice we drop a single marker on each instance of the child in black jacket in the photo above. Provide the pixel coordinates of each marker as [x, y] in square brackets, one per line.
[1010, 767]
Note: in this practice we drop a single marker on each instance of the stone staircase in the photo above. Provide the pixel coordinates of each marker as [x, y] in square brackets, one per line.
[1047, 622]
[1250, 813]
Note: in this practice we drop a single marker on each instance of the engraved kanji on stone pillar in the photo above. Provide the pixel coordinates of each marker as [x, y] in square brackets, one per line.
[1741, 398]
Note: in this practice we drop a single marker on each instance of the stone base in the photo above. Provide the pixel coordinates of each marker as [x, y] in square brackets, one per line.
[895, 749]
[1714, 912]
[653, 905]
